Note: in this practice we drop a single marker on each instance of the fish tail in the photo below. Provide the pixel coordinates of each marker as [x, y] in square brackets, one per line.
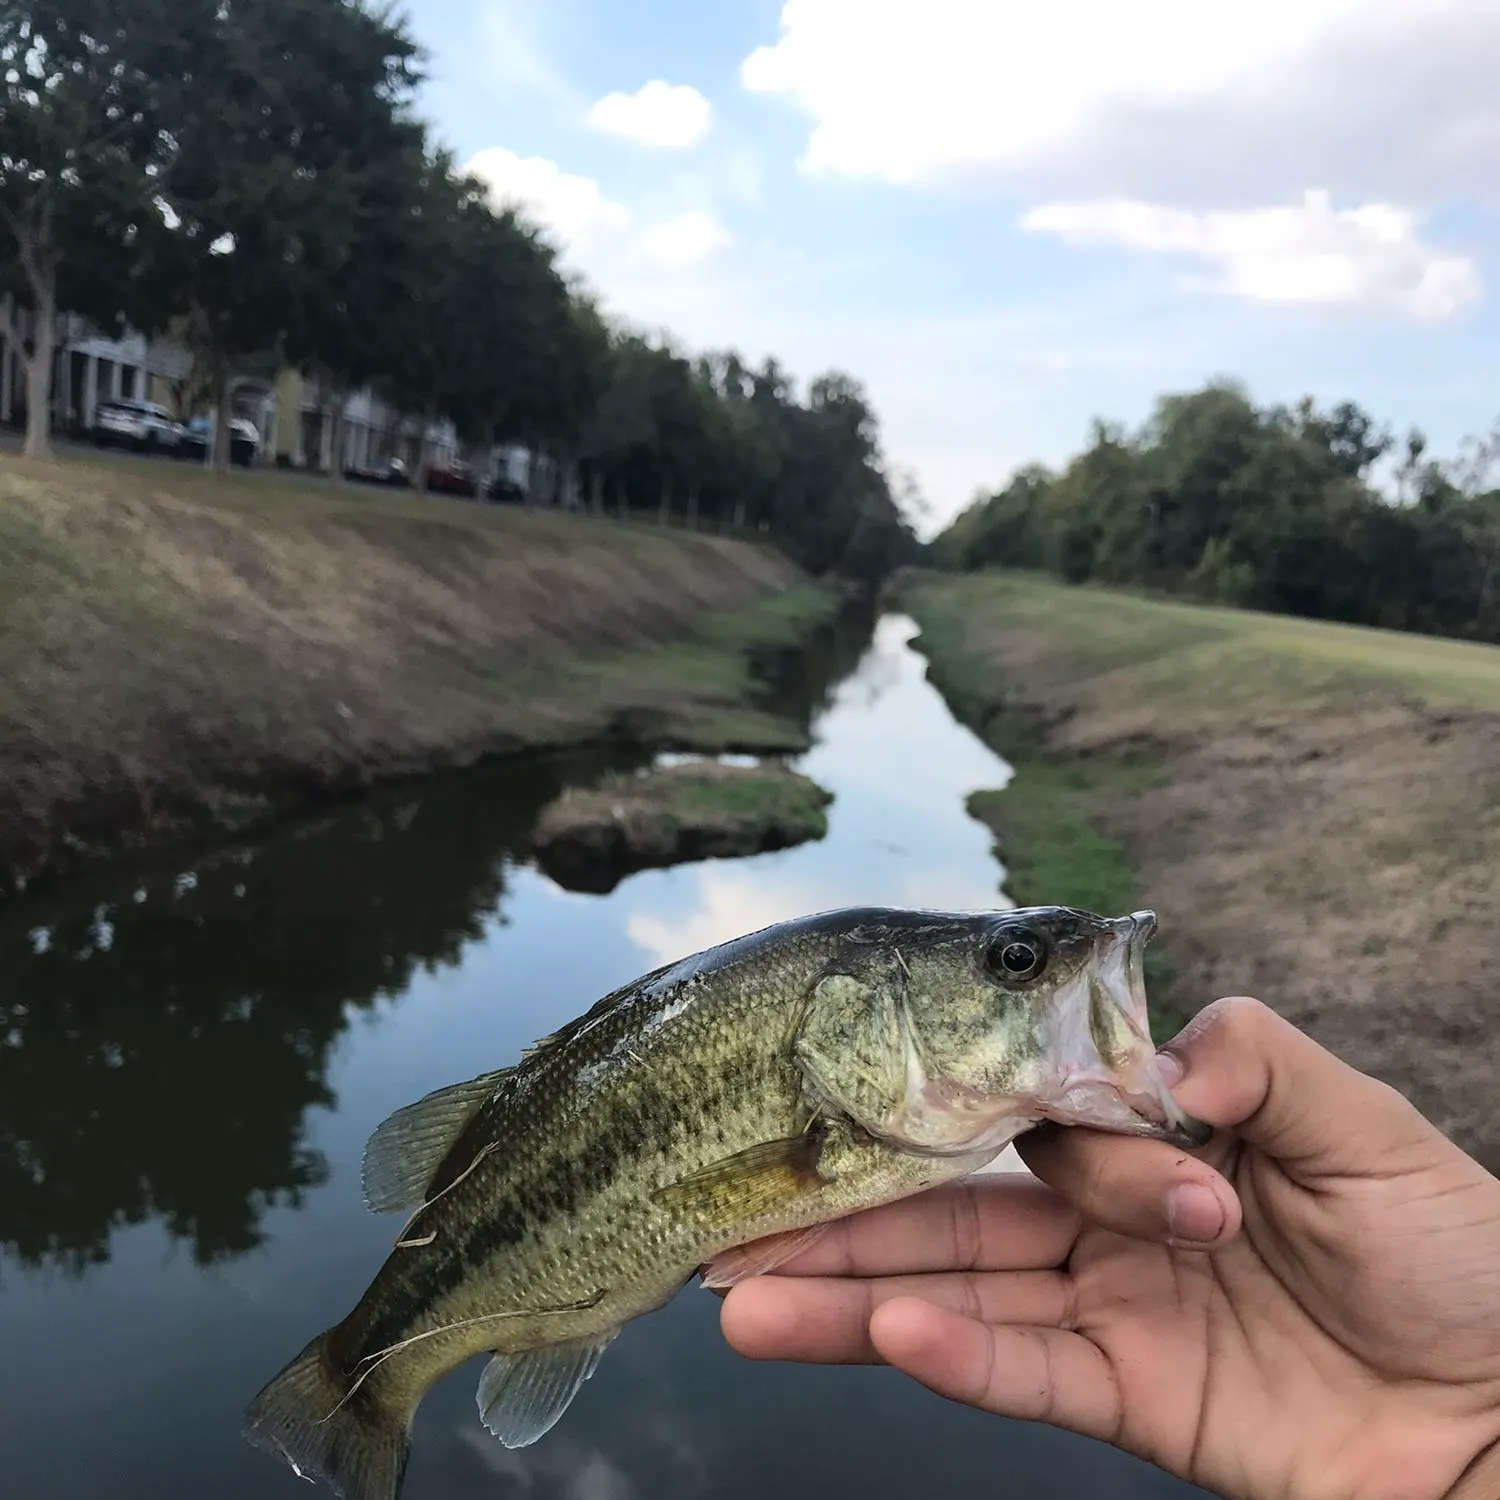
[333, 1427]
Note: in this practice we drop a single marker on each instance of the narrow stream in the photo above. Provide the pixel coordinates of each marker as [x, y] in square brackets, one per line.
[192, 1058]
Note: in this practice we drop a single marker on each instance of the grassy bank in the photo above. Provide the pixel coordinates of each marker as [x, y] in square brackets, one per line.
[590, 838]
[1313, 809]
[179, 652]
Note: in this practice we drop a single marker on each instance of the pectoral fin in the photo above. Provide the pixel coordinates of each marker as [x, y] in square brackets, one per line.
[731, 1267]
[749, 1183]
[522, 1396]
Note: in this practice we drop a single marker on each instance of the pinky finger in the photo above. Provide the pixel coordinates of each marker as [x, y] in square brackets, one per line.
[1033, 1373]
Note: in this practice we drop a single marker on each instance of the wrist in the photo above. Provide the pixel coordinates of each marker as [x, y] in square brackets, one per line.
[1481, 1480]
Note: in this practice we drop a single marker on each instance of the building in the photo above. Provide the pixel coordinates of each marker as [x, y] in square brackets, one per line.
[301, 430]
[295, 420]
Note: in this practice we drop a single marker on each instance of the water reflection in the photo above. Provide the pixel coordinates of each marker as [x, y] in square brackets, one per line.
[162, 1041]
[164, 1032]
[190, 1064]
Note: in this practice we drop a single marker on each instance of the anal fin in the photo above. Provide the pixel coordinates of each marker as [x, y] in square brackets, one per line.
[730, 1267]
[522, 1396]
[757, 1180]
[406, 1149]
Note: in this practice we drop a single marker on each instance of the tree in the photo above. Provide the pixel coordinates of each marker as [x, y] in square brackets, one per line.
[348, 335]
[280, 118]
[1270, 508]
[81, 134]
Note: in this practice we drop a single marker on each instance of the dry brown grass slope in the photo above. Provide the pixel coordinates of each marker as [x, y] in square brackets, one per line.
[1314, 809]
[177, 650]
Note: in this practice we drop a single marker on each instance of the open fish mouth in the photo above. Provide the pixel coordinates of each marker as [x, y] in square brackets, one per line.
[1109, 1074]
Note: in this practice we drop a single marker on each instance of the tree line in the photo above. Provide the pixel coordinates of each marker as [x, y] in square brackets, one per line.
[1275, 508]
[250, 177]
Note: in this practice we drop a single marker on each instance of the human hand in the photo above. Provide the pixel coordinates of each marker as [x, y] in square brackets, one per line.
[1306, 1309]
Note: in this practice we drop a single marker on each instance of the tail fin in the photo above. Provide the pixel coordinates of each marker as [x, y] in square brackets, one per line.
[309, 1417]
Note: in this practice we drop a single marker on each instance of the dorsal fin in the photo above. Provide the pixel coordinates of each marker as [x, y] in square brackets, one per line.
[595, 1013]
[406, 1149]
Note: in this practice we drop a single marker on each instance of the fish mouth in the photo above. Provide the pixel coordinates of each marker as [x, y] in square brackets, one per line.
[1110, 1076]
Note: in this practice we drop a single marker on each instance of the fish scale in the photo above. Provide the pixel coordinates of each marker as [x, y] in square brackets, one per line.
[762, 1088]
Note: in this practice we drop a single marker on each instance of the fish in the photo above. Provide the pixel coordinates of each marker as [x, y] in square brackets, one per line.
[710, 1118]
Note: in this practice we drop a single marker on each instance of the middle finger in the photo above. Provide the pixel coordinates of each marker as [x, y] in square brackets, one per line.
[999, 1223]
[826, 1320]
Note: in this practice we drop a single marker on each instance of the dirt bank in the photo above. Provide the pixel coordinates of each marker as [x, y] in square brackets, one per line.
[179, 653]
[1313, 810]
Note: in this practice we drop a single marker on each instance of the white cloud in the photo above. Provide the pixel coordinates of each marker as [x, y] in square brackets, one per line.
[573, 208]
[686, 240]
[1093, 96]
[729, 902]
[600, 235]
[670, 117]
[1308, 253]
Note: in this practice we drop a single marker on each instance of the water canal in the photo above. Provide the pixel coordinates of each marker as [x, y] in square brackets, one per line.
[193, 1051]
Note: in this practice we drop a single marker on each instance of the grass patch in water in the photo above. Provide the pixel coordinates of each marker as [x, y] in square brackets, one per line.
[590, 838]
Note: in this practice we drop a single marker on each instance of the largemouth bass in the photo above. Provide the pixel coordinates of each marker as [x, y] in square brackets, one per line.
[717, 1112]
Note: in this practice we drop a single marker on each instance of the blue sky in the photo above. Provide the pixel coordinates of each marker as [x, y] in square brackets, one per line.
[1006, 218]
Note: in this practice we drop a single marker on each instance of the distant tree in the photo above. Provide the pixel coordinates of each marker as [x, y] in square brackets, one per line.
[278, 114]
[348, 335]
[81, 133]
[1270, 508]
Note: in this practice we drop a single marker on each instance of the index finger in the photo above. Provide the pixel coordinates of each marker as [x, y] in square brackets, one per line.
[1009, 1223]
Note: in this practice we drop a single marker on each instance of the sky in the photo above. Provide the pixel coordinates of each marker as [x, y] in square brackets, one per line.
[1007, 218]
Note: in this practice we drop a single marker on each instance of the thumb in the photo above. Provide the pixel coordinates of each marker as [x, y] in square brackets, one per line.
[1247, 1070]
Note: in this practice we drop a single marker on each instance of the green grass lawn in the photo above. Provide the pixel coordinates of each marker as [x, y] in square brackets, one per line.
[1216, 661]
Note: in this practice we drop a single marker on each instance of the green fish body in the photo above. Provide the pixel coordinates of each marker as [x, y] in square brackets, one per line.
[716, 1112]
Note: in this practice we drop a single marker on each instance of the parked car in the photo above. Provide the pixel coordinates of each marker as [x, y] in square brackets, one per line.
[244, 440]
[453, 478]
[503, 490]
[143, 425]
[392, 472]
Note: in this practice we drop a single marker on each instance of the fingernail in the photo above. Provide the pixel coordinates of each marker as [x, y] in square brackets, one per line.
[1169, 1069]
[1194, 1214]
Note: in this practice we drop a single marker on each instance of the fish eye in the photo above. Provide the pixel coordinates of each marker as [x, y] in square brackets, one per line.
[1017, 954]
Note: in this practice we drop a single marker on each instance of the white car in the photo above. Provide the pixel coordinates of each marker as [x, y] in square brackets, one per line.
[136, 424]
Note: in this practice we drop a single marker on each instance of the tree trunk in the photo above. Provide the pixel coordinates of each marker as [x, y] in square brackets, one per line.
[533, 472]
[38, 354]
[41, 275]
[39, 380]
[221, 441]
[340, 423]
[424, 448]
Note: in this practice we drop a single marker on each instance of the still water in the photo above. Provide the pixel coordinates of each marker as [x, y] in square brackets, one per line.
[192, 1054]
